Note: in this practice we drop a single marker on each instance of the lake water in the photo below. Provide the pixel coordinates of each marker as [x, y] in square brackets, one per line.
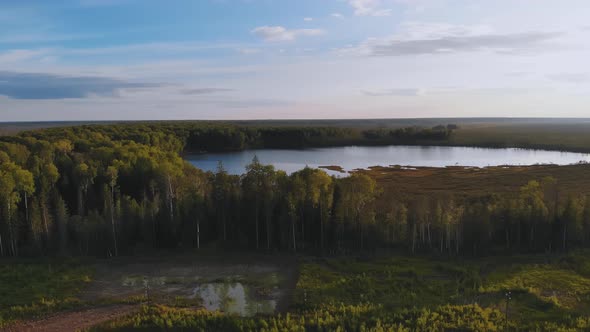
[353, 157]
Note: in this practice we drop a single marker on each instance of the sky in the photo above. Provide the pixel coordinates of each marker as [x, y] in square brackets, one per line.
[293, 59]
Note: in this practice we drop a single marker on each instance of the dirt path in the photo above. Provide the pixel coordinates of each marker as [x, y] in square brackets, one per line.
[75, 320]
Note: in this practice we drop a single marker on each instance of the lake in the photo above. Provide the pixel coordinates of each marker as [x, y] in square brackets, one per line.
[353, 157]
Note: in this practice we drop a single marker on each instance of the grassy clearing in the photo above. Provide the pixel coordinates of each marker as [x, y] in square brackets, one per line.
[564, 288]
[394, 283]
[29, 289]
[549, 293]
[542, 294]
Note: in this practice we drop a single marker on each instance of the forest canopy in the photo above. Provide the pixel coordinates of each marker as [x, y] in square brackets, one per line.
[107, 190]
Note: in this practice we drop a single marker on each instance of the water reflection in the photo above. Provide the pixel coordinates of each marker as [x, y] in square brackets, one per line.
[227, 296]
[233, 298]
[353, 157]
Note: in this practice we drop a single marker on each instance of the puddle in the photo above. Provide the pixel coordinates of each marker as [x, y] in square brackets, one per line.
[227, 295]
[233, 298]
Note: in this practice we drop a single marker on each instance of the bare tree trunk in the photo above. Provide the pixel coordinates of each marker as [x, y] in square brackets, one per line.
[293, 234]
[170, 198]
[44, 215]
[10, 234]
[457, 239]
[198, 233]
[360, 225]
[448, 228]
[519, 234]
[256, 219]
[268, 216]
[413, 238]
[303, 233]
[361, 234]
[564, 236]
[321, 227]
[80, 201]
[224, 229]
[26, 208]
[113, 220]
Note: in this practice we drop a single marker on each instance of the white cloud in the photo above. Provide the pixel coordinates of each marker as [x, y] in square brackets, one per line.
[249, 51]
[308, 19]
[336, 15]
[428, 30]
[279, 33]
[154, 47]
[13, 56]
[575, 78]
[203, 91]
[41, 37]
[368, 8]
[441, 38]
[402, 92]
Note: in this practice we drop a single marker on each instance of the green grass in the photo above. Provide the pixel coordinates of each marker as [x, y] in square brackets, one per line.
[563, 287]
[29, 289]
[541, 293]
[362, 317]
[394, 283]
[549, 293]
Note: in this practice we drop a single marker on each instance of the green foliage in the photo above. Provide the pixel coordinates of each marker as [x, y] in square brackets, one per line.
[362, 317]
[33, 289]
[560, 287]
[105, 190]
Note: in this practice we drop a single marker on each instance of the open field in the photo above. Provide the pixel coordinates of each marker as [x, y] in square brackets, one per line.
[379, 293]
[466, 182]
[38, 293]
[36, 288]
[547, 293]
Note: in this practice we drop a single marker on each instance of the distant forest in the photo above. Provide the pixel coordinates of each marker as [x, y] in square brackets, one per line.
[108, 190]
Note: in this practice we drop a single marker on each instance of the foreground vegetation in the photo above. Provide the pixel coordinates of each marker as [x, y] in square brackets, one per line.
[36, 288]
[547, 293]
[387, 293]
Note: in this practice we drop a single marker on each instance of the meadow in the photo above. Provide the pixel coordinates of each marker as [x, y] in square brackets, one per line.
[397, 293]
[34, 288]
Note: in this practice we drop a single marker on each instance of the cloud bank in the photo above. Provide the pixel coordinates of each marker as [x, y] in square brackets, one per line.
[18, 85]
[279, 33]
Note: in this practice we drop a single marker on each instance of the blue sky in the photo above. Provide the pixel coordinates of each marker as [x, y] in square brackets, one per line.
[271, 59]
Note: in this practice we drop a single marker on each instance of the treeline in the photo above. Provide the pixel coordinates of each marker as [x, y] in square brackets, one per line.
[212, 137]
[110, 190]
